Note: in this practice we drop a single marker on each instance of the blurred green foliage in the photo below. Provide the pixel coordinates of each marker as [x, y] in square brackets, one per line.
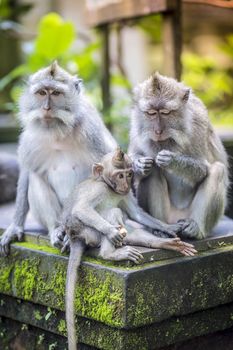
[57, 39]
[212, 82]
[54, 41]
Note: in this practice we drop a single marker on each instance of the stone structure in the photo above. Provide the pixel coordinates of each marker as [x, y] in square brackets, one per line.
[166, 300]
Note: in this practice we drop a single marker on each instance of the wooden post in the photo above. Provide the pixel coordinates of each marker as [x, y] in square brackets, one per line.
[172, 41]
[105, 72]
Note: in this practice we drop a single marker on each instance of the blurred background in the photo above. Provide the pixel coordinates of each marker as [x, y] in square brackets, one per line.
[34, 33]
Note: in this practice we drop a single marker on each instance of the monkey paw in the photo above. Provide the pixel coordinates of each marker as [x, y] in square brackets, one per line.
[190, 229]
[57, 237]
[176, 244]
[66, 245]
[129, 253]
[12, 233]
[164, 234]
[143, 166]
[165, 158]
[115, 236]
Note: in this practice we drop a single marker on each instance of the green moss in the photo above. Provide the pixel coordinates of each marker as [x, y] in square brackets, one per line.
[25, 277]
[38, 315]
[62, 327]
[42, 248]
[5, 273]
[100, 296]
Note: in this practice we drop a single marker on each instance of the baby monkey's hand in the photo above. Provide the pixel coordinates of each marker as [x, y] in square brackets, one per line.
[116, 235]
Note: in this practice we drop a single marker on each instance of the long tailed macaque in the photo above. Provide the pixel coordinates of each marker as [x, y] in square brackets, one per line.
[94, 217]
[180, 163]
[62, 136]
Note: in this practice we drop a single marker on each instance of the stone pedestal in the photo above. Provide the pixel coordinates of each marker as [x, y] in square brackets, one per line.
[166, 300]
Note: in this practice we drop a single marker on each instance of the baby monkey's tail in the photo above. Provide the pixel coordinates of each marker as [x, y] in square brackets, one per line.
[76, 251]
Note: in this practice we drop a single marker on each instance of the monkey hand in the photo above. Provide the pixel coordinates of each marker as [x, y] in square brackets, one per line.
[165, 159]
[57, 237]
[164, 234]
[143, 166]
[66, 245]
[12, 233]
[115, 236]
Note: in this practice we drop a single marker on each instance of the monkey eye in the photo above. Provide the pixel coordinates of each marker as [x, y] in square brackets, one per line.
[165, 111]
[121, 176]
[152, 112]
[41, 92]
[130, 174]
[56, 93]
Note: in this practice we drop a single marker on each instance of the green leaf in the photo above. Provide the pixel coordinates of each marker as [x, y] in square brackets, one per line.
[55, 36]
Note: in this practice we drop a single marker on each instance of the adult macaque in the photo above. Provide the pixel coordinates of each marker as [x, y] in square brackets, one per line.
[62, 136]
[9, 172]
[180, 163]
[94, 217]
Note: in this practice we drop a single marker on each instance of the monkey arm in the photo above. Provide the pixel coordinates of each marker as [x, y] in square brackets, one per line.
[22, 206]
[130, 206]
[90, 217]
[191, 169]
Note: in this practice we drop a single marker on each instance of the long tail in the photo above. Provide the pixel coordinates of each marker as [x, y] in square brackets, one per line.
[76, 252]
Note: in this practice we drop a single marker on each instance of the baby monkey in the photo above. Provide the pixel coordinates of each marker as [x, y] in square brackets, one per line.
[94, 217]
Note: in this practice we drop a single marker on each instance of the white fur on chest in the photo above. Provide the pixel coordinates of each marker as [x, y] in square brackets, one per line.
[112, 201]
[63, 163]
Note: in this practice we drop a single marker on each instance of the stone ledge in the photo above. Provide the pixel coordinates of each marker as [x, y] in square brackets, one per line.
[98, 335]
[122, 296]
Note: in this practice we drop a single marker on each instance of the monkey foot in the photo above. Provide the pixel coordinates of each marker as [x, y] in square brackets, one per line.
[11, 234]
[129, 253]
[176, 244]
[57, 237]
[124, 253]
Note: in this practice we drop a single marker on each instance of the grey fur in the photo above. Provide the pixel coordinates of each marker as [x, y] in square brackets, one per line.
[93, 217]
[185, 172]
[54, 156]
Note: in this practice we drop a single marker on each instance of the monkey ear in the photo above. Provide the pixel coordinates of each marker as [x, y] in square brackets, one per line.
[97, 169]
[77, 84]
[186, 95]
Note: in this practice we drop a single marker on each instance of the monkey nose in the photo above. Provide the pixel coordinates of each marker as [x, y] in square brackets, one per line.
[158, 132]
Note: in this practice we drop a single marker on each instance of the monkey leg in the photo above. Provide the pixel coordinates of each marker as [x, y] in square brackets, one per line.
[45, 206]
[153, 196]
[109, 252]
[208, 204]
[140, 237]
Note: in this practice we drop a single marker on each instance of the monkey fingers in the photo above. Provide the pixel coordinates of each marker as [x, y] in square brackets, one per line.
[12, 233]
[57, 237]
[189, 229]
[144, 165]
[187, 249]
[130, 253]
[115, 237]
[164, 234]
[66, 245]
[164, 158]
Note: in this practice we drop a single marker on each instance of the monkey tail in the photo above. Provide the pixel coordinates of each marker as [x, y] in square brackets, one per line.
[76, 252]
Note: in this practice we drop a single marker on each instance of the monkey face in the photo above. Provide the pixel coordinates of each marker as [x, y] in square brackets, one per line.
[51, 100]
[121, 180]
[159, 105]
